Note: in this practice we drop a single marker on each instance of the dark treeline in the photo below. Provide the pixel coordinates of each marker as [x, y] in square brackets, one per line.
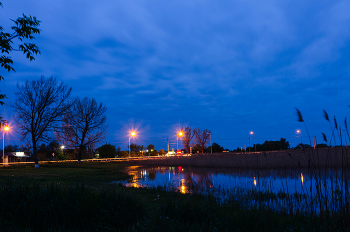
[277, 145]
[111, 151]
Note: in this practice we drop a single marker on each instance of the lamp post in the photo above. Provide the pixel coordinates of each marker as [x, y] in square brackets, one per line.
[301, 136]
[211, 145]
[6, 128]
[252, 133]
[179, 134]
[133, 133]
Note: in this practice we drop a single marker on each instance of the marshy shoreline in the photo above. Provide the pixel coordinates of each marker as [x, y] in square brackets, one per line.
[330, 157]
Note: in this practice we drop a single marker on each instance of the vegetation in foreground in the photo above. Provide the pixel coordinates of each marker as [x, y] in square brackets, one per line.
[80, 197]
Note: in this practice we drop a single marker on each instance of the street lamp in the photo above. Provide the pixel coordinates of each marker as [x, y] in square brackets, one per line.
[252, 133]
[301, 136]
[179, 134]
[6, 128]
[211, 145]
[133, 133]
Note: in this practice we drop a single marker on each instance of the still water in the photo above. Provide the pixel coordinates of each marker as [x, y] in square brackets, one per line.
[302, 189]
[192, 179]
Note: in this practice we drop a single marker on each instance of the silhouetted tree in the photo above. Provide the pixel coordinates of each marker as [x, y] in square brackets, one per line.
[162, 152]
[201, 138]
[151, 150]
[25, 28]
[11, 148]
[320, 145]
[84, 125]
[187, 138]
[216, 148]
[39, 107]
[107, 151]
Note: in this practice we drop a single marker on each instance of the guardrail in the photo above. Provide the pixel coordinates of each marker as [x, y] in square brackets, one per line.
[90, 160]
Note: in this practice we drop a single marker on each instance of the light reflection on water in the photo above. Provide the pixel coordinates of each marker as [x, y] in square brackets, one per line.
[245, 185]
[191, 179]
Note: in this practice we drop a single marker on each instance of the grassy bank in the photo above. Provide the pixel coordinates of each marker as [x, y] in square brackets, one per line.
[330, 157]
[79, 197]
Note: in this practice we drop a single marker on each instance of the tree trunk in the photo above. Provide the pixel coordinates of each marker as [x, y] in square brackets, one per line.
[35, 155]
[80, 154]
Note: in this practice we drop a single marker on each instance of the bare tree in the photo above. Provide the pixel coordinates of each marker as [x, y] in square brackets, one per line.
[84, 125]
[187, 137]
[201, 137]
[39, 106]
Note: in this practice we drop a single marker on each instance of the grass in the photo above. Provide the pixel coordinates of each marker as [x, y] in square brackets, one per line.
[71, 173]
[79, 197]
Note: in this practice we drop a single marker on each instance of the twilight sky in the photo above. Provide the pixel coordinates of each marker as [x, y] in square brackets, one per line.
[228, 66]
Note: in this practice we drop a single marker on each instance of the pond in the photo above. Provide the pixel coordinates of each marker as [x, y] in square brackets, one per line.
[227, 183]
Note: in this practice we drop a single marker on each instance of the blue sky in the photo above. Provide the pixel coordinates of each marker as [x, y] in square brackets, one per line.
[228, 66]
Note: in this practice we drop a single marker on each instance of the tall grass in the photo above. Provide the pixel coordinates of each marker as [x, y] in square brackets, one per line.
[53, 207]
[330, 208]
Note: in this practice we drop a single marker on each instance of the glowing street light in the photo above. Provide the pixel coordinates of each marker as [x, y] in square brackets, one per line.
[252, 133]
[6, 128]
[179, 134]
[132, 134]
[301, 136]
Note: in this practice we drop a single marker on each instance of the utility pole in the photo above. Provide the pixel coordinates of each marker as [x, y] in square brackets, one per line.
[168, 144]
[249, 144]
[211, 145]
[255, 142]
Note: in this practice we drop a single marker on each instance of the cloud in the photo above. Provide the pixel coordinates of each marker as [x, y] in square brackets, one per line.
[230, 64]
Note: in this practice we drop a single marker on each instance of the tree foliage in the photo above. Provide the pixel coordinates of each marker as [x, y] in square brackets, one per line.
[24, 29]
[107, 151]
[187, 137]
[11, 148]
[216, 148]
[201, 138]
[162, 152]
[84, 125]
[39, 107]
[151, 150]
[281, 144]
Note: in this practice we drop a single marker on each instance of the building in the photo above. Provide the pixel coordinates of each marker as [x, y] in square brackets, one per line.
[11, 157]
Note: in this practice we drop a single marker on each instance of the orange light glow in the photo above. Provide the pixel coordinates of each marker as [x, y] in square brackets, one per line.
[6, 128]
[180, 134]
[302, 178]
[254, 181]
[251, 132]
[298, 131]
[183, 188]
[133, 133]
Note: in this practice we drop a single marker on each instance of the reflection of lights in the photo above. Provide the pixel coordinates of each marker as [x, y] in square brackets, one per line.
[183, 186]
[183, 189]
[254, 181]
[302, 178]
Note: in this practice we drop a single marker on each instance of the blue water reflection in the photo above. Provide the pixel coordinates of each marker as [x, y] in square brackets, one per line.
[192, 179]
[308, 190]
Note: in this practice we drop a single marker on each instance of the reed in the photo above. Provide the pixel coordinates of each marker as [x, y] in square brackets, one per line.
[46, 203]
[330, 207]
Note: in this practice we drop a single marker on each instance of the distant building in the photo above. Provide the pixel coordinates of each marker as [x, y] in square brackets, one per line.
[11, 157]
